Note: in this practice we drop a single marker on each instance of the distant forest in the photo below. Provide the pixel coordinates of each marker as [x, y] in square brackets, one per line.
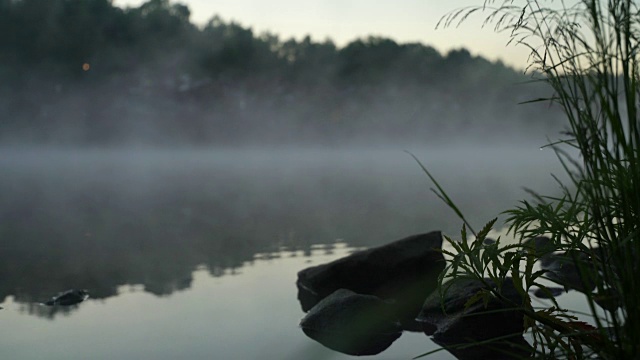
[78, 72]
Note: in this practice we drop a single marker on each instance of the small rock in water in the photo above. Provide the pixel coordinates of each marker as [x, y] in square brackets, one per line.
[541, 244]
[571, 269]
[608, 299]
[352, 323]
[489, 241]
[68, 298]
[451, 321]
[553, 292]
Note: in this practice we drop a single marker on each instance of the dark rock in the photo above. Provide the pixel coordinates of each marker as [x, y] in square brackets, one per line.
[551, 292]
[541, 244]
[564, 268]
[608, 299]
[352, 323]
[67, 298]
[453, 323]
[573, 270]
[404, 271]
[489, 241]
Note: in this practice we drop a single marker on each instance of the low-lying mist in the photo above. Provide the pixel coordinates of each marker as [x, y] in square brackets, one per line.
[136, 147]
[100, 219]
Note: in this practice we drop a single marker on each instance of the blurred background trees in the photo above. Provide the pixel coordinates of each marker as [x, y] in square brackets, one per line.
[83, 72]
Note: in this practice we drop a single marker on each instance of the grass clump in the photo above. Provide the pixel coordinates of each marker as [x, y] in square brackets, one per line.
[587, 51]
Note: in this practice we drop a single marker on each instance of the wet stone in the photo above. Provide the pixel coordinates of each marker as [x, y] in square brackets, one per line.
[551, 292]
[404, 271]
[452, 322]
[353, 324]
[68, 298]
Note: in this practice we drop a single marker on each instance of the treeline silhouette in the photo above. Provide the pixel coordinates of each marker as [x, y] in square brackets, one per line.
[89, 72]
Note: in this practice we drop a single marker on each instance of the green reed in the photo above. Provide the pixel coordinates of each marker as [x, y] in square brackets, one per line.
[587, 51]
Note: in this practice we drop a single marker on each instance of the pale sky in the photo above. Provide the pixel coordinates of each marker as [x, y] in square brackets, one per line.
[346, 20]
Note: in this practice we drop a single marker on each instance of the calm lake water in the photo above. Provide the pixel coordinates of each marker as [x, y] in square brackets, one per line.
[194, 253]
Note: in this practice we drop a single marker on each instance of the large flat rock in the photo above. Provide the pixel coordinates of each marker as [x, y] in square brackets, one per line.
[404, 272]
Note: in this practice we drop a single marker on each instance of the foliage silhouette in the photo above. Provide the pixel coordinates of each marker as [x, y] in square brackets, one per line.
[588, 53]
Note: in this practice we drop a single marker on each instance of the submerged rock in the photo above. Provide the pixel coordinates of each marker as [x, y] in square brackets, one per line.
[542, 244]
[552, 292]
[489, 241]
[352, 323]
[451, 322]
[68, 298]
[404, 271]
[573, 270]
[608, 299]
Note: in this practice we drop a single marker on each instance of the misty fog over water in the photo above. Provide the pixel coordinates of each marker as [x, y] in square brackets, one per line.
[184, 174]
[161, 226]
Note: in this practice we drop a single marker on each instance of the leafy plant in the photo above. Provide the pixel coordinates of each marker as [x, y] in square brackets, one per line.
[587, 51]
